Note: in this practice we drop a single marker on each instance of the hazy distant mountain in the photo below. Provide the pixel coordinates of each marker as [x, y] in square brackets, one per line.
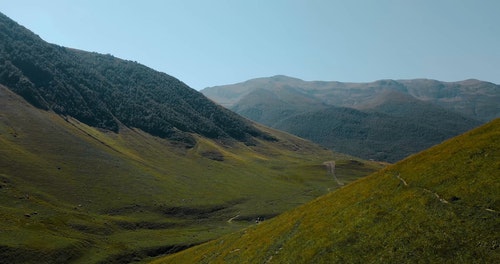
[386, 120]
[439, 206]
[472, 98]
[107, 161]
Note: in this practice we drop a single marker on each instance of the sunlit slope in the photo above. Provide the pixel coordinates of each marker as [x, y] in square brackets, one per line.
[70, 192]
[439, 206]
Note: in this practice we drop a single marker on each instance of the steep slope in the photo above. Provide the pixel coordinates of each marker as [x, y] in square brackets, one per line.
[106, 161]
[105, 92]
[439, 206]
[392, 120]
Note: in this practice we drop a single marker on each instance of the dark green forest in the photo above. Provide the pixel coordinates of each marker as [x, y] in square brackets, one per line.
[106, 92]
[377, 134]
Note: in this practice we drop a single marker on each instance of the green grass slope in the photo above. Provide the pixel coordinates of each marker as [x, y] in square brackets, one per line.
[439, 206]
[74, 193]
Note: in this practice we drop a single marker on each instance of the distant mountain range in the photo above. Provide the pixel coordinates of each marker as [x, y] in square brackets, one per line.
[104, 160]
[383, 120]
[439, 206]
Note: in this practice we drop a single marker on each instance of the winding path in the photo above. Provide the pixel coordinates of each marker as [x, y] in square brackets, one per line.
[232, 218]
[425, 189]
[442, 200]
[330, 170]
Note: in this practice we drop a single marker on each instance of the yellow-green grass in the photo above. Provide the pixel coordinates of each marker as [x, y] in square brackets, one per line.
[438, 206]
[70, 192]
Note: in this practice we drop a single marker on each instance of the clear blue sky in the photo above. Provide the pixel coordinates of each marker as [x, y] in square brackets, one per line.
[214, 42]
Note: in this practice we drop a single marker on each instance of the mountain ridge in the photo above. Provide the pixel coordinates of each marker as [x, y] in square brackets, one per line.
[418, 88]
[430, 110]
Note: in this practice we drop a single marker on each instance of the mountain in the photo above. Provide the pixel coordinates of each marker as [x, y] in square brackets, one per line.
[107, 92]
[389, 131]
[269, 107]
[472, 98]
[107, 161]
[387, 120]
[439, 206]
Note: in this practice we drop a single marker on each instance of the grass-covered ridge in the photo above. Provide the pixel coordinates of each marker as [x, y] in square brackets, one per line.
[70, 192]
[439, 206]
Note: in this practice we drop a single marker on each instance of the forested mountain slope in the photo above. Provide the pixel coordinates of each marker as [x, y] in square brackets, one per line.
[389, 131]
[105, 92]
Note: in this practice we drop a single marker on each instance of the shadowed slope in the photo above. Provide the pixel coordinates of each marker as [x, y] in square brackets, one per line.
[107, 92]
[439, 206]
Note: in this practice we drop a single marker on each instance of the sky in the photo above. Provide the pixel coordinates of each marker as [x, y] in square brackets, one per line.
[215, 42]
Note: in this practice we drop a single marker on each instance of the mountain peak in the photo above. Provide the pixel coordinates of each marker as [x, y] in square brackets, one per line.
[284, 78]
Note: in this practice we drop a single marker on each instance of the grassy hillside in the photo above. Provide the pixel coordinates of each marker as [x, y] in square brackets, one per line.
[439, 206]
[71, 192]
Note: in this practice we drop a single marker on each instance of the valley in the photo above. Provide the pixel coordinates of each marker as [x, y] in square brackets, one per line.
[104, 160]
[439, 206]
[77, 193]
